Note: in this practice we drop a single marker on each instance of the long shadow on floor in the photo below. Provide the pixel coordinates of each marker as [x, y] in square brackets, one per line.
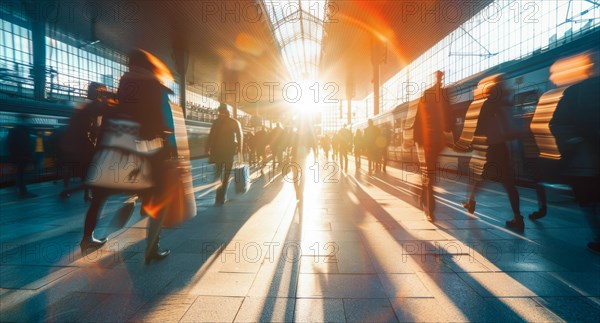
[535, 284]
[130, 281]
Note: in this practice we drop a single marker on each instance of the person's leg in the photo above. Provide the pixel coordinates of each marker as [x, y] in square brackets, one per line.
[345, 156]
[370, 161]
[20, 178]
[221, 195]
[218, 170]
[385, 159]
[153, 251]
[593, 218]
[219, 167]
[428, 174]
[91, 220]
[542, 202]
[501, 157]
[296, 177]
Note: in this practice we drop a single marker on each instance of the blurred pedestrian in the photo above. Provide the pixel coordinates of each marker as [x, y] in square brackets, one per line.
[20, 150]
[326, 146]
[565, 125]
[491, 159]
[224, 141]
[344, 145]
[370, 137]
[431, 121]
[303, 141]
[78, 141]
[358, 148]
[149, 107]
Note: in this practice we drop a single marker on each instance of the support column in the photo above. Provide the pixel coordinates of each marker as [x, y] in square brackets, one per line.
[181, 57]
[375, 89]
[349, 111]
[38, 42]
[349, 96]
[378, 55]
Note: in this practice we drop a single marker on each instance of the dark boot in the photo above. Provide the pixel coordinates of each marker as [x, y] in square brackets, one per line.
[469, 205]
[516, 225]
[90, 242]
[156, 254]
[538, 214]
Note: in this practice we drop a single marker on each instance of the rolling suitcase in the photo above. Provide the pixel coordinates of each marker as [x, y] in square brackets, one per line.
[242, 176]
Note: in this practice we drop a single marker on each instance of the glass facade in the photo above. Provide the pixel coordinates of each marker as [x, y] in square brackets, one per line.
[503, 31]
[15, 58]
[69, 68]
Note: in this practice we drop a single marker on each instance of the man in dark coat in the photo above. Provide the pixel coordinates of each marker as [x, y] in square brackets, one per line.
[370, 138]
[260, 143]
[575, 125]
[384, 144]
[224, 141]
[431, 121]
[345, 144]
[77, 143]
[276, 143]
[20, 150]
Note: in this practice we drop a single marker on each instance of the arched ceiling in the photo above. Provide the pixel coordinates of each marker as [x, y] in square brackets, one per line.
[231, 41]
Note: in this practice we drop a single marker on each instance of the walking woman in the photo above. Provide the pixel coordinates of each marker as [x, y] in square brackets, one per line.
[143, 98]
[303, 141]
[491, 158]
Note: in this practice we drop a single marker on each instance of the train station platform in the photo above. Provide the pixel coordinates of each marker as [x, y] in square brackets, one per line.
[357, 249]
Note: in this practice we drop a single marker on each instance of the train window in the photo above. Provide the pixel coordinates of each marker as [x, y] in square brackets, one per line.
[527, 98]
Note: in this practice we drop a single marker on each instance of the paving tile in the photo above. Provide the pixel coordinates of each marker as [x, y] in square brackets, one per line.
[369, 310]
[115, 308]
[523, 309]
[519, 284]
[319, 310]
[464, 264]
[583, 283]
[339, 286]
[319, 265]
[71, 307]
[30, 277]
[213, 309]
[571, 309]
[352, 258]
[403, 285]
[215, 284]
[277, 279]
[418, 310]
[421, 235]
[272, 309]
[457, 298]
[164, 308]
[389, 262]
[131, 278]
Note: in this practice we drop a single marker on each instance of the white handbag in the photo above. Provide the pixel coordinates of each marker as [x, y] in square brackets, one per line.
[121, 162]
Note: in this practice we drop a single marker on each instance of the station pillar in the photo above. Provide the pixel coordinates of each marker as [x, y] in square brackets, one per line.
[378, 56]
[349, 96]
[181, 58]
[38, 43]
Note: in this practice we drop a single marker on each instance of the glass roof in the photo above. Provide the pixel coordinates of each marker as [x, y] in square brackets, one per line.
[298, 29]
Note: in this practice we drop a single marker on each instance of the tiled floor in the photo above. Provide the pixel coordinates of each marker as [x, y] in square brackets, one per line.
[357, 249]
